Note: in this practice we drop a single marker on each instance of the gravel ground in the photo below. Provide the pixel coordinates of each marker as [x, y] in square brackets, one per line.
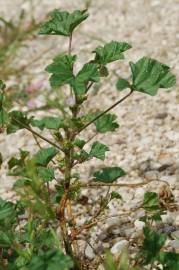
[147, 143]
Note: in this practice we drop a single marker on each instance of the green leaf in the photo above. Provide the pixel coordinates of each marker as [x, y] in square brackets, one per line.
[98, 150]
[21, 262]
[17, 117]
[50, 260]
[48, 122]
[151, 201]
[62, 22]
[88, 73]
[81, 156]
[115, 195]
[148, 75]
[21, 183]
[46, 174]
[3, 117]
[2, 85]
[18, 161]
[106, 123]
[124, 263]
[153, 242]
[122, 84]
[62, 70]
[109, 262]
[110, 52]
[79, 143]
[45, 155]
[169, 260]
[108, 174]
[5, 239]
[6, 210]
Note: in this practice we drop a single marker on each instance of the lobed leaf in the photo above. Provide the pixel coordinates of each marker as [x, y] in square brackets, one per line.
[79, 143]
[122, 84]
[88, 73]
[151, 201]
[98, 150]
[48, 122]
[50, 260]
[18, 161]
[45, 155]
[110, 52]
[5, 239]
[148, 75]
[106, 123]
[6, 210]
[17, 117]
[169, 260]
[62, 22]
[46, 174]
[62, 70]
[153, 242]
[108, 174]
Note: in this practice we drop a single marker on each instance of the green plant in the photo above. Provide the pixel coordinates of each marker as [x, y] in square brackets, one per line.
[35, 243]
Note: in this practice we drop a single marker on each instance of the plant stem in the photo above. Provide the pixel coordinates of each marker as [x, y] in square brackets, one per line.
[40, 147]
[70, 45]
[65, 203]
[37, 134]
[95, 185]
[104, 112]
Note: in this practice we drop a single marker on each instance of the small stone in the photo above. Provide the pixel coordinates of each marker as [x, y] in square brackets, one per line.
[151, 175]
[168, 218]
[139, 224]
[161, 115]
[106, 245]
[119, 246]
[102, 236]
[129, 232]
[140, 193]
[172, 135]
[100, 267]
[175, 244]
[89, 252]
[138, 214]
[177, 220]
[115, 230]
[113, 221]
[175, 235]
[136, 235]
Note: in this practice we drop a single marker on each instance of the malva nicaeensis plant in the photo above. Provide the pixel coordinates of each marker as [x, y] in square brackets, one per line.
[36, 245]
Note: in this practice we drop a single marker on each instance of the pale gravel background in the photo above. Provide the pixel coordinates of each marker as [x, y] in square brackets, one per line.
[148, 136]
[149, 126]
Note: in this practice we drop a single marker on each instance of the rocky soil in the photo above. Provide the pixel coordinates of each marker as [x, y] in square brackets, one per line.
[146, 145]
